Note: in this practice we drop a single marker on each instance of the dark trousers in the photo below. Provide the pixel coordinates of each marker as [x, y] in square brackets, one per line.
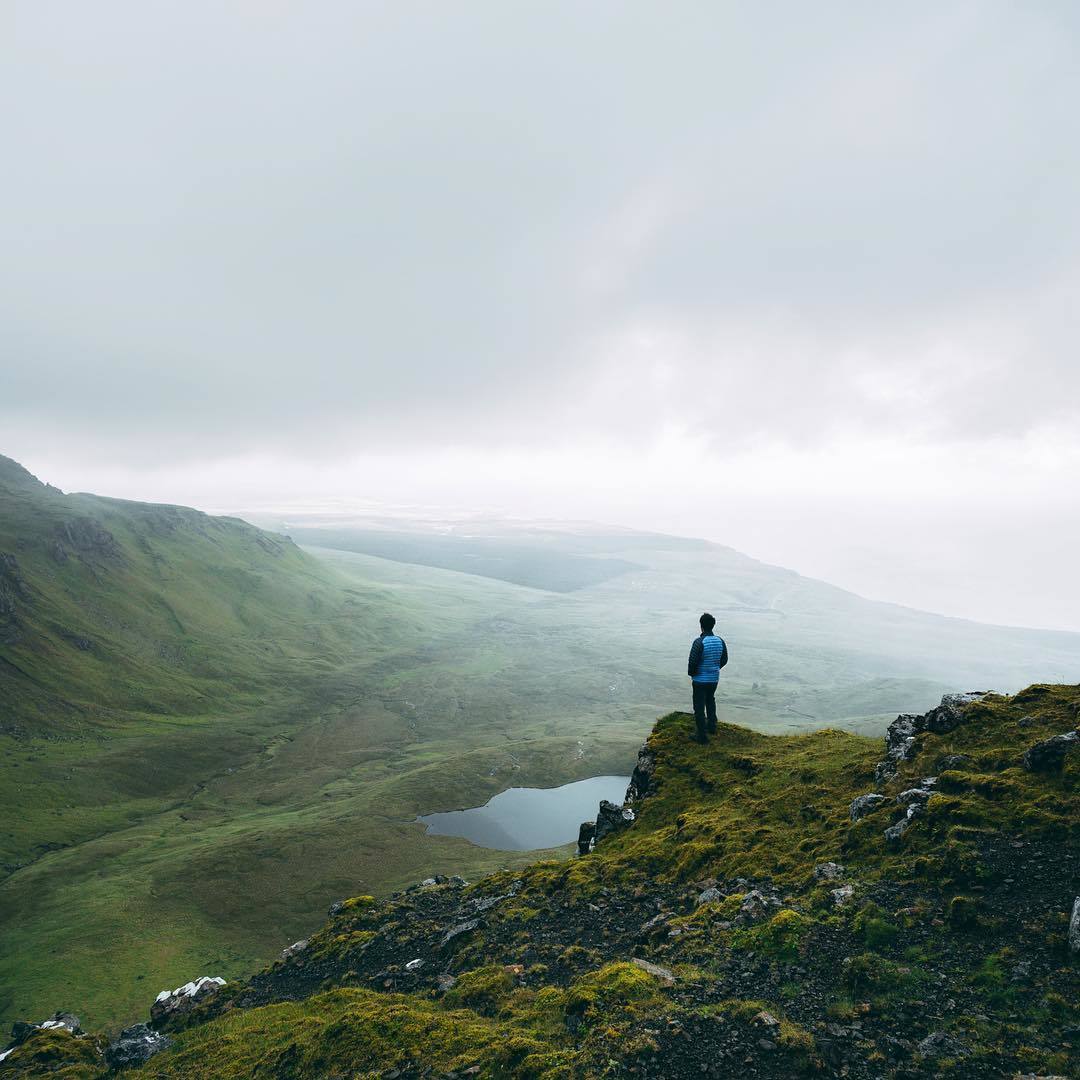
[704, 707]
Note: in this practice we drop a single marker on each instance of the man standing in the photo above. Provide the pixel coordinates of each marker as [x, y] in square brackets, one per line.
[708, 655]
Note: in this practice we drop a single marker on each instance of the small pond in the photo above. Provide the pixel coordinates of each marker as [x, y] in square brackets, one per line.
[522, 819]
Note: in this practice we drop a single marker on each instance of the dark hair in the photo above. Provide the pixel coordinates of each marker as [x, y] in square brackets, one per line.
[707, 622]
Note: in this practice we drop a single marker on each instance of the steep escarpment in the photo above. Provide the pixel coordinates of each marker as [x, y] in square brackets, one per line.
[761, 916]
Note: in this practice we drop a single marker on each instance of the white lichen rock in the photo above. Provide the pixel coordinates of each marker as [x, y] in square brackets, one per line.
[171, 1002]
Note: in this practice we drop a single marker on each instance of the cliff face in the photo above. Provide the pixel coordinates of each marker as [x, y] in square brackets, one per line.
[761, 916]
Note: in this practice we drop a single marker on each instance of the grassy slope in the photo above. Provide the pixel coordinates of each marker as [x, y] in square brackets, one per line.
[940, 916]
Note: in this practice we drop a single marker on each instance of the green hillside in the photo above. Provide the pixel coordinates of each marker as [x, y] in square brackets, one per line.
[808, 653]
[208, 734]
[750, 922]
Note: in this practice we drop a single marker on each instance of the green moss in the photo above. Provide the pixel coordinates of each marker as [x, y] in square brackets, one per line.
[620, 982]
[779, 937]
[356, 904]
[872, 975]
[57, 1053]
[482, 990]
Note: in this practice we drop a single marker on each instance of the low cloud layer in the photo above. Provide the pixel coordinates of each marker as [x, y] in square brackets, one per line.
[327, 232]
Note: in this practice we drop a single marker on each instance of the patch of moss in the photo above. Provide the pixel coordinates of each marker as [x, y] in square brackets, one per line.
[482, 990]
[779, 937]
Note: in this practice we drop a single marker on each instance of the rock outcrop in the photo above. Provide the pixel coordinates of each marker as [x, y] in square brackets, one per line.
[1049, 755]
[611, 818]
[21, 1031]
[294, 949]
[586, 835]
[88, 539]
[643, 777]
[13, 590]
[693, 954]
[170, 1003]
[757, 906]
[903, 732]
[135, 1046]
[861, 805]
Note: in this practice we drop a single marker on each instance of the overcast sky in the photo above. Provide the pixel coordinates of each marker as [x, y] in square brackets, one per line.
[801, 278]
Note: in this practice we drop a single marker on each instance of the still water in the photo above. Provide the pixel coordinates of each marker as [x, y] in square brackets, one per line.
[521, 818]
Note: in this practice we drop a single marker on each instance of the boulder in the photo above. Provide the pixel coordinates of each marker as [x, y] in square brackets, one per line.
[661, 973]
[135, 1046]
[184, 998]
[654, 925]
[843, 895]
[939, 1044]
[481, 904]
[611, 818]
[829, 871]
[1049, 755]
[897, 830]
[709, 895]
[21, 1030]
[1074, 928]
[461, 930]
[757, 906]
[913, 796]
[861, 805]
[414, 965]
[295, 948]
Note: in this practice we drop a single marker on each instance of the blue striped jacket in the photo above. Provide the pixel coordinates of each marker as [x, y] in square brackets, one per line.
[708, 655]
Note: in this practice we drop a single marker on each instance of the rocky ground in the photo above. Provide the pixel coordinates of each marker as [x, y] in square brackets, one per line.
[826, 985]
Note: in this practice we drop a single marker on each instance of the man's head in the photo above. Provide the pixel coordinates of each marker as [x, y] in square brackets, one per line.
[707, 623]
